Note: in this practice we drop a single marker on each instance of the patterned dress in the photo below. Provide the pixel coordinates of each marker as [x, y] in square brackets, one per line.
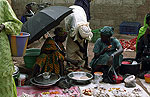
[50, 57]
[12, 26]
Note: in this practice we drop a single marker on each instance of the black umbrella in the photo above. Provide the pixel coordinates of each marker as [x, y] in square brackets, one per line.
[44, 21]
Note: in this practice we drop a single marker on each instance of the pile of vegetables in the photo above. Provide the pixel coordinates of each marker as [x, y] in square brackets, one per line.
[131, 44]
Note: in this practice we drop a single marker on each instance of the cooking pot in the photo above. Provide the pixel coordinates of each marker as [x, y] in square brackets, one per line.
[129, 66]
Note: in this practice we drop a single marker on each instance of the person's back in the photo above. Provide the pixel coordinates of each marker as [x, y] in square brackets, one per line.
[78, 31]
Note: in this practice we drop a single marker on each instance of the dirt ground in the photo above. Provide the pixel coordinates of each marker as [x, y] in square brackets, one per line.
[18, 61]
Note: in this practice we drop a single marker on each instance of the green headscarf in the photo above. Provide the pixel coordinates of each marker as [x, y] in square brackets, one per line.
[107, 30]
[143, 29]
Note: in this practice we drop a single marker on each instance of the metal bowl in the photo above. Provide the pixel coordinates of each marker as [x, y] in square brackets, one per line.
[80, 77]
[42, 86]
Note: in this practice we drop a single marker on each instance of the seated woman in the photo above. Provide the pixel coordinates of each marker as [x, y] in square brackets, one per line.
[52, 55]
[143, 45]
[50, 59]
[107, 51]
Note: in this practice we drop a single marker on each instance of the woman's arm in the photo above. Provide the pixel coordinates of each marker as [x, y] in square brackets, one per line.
[12, 24]
[118, 52]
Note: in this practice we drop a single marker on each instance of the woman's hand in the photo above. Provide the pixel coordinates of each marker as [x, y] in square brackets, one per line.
[106, 49]
[2, 27]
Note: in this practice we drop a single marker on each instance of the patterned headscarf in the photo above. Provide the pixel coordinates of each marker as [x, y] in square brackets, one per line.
[49, 44]
[85, 4]
[107, 30]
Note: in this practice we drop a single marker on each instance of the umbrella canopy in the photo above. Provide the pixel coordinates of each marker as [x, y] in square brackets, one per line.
[44, 21]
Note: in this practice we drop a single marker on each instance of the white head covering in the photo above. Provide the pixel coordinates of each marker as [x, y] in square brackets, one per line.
[85, 32]
[77, 23]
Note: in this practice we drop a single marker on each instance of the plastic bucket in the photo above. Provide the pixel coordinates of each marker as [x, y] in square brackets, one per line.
[18, 43]
[147, 78]
[96, 35]
[30, 57]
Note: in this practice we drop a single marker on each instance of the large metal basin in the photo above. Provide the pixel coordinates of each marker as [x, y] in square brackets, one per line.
[80, 77]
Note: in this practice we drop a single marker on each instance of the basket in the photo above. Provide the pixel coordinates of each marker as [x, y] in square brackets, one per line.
[18, 44]
[129, 27]
[96, 35]
[30, 57]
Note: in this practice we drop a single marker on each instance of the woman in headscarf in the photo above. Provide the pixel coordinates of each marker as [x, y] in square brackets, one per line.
[60, 37]
[50, 59]
[143, 46]
[107, 51]
[52, 55]
[144, 28]
[9, 24]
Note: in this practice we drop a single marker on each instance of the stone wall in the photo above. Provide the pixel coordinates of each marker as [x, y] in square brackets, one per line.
[103, 12]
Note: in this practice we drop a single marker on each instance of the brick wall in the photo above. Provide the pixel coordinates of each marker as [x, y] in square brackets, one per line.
[103, 12]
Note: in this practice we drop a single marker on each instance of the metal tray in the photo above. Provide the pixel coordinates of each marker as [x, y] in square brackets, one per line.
[52, 80]
[40, 85]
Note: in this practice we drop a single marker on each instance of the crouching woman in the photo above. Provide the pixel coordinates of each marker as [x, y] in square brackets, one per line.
[107, 51]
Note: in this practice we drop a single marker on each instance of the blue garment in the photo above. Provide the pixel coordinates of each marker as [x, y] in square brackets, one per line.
[102, 60]
[85, 4]
[23, 19]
